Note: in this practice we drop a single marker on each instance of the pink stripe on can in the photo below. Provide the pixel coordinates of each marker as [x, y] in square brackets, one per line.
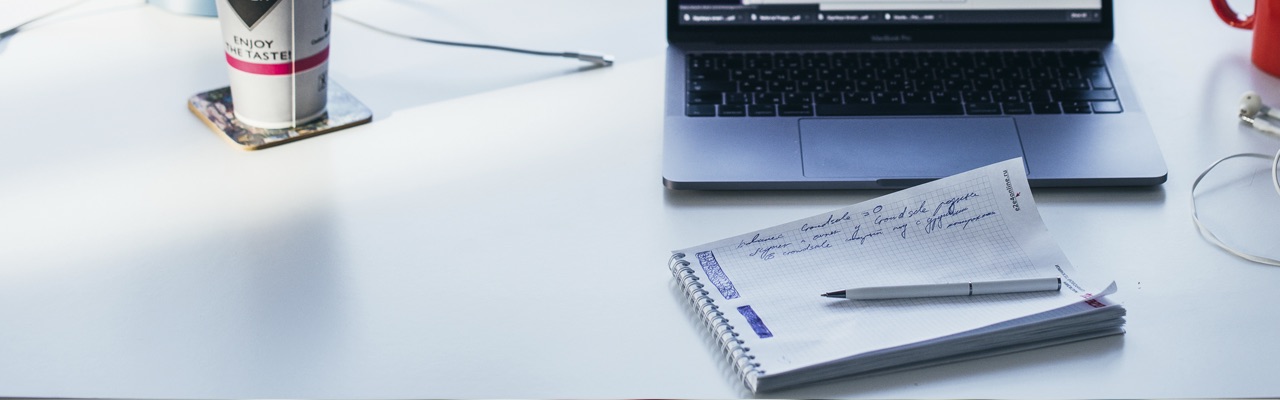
[279, 69]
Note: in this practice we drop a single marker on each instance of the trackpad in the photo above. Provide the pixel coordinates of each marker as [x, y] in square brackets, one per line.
[904, 148]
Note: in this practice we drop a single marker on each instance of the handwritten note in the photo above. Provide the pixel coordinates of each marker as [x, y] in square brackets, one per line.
[975, 226]
[968, 227]
[978, 225]
[877, 223]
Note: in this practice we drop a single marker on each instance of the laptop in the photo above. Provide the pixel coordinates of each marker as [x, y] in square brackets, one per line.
[882, 94]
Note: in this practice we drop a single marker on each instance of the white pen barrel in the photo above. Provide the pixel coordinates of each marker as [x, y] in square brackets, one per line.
[908, 291]
[954, 289]
[1017, 285]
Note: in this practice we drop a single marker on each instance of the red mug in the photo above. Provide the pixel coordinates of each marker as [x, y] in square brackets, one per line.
[1265, 23]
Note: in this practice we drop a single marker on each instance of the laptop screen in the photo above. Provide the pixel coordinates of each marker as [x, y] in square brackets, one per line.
[903, 20]
[887, 12]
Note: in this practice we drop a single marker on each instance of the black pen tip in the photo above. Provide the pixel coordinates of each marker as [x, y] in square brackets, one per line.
[839, 294]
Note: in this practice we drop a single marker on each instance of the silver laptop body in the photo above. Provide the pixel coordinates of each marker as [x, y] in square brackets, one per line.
[786, 94]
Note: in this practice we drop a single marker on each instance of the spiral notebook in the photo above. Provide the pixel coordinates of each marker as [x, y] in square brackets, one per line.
[759, 292]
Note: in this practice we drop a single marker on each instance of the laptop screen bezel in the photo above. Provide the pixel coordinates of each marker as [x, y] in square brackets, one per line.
[940, 33]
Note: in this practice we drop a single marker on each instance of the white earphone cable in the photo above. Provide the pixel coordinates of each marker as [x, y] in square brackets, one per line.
[1208, 234]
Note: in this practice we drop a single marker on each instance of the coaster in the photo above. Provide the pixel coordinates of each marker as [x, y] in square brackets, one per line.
[214, 108]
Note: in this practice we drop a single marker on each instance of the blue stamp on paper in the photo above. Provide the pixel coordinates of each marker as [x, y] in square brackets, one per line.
[756, 323]
[716, 275]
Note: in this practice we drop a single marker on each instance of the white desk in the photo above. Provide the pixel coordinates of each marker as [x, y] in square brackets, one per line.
[500, 229]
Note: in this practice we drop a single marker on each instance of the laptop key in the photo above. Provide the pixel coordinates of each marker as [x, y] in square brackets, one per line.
[733, 111]
[1017, 108]
[1019, 85]
[1106, 107]
[796, 110]
[763, 110]
[842, 86]
[700, 110]
[858, 98]
[704, 98]
[888, 109]
[712, 86]
[797, 98]
[1098, 77]
[982, 108]
[887, 97]
[916, 98]
[1084, 95]
[978, 97]
[1006, 97]
[755, 86]
[737, 98]
[701, 61]
[1076, 107]
[828, 98]
[768, 98]
[1086, 58]
[811, 86]
[1075, 84]
[947, 97]
[704, 74]
[1035, 96]
[1046, 108]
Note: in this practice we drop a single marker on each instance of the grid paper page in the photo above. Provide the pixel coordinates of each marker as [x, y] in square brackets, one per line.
[975, 226]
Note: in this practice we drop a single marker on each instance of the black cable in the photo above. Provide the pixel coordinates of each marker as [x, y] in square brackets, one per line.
[599, 59]
[14, 30]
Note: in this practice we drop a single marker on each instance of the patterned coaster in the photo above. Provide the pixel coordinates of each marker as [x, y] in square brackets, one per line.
[215, 109]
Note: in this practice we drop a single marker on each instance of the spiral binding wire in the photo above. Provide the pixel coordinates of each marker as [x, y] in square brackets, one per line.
[735, 349]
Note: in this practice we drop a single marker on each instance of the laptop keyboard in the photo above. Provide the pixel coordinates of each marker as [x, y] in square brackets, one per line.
[898, 83]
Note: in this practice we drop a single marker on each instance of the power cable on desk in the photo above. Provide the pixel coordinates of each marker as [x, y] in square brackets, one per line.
[14, 30]
[598, 59]
[604, 60]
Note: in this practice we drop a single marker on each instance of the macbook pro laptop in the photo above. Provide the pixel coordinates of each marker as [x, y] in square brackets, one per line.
[797, 94]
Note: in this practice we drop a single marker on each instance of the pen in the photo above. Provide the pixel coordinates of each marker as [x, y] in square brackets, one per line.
[949, 289]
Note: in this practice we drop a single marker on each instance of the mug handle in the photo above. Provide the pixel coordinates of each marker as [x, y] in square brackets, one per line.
[1230, 17]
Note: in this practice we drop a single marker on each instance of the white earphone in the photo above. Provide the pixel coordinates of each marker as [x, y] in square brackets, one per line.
[1252, 112]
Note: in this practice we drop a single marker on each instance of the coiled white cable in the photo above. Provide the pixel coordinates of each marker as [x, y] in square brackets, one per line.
[1208, 234]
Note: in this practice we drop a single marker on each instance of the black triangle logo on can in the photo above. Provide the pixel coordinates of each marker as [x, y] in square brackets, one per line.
[252, 11]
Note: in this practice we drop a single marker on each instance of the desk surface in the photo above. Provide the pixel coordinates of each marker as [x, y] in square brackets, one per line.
[500, 229]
